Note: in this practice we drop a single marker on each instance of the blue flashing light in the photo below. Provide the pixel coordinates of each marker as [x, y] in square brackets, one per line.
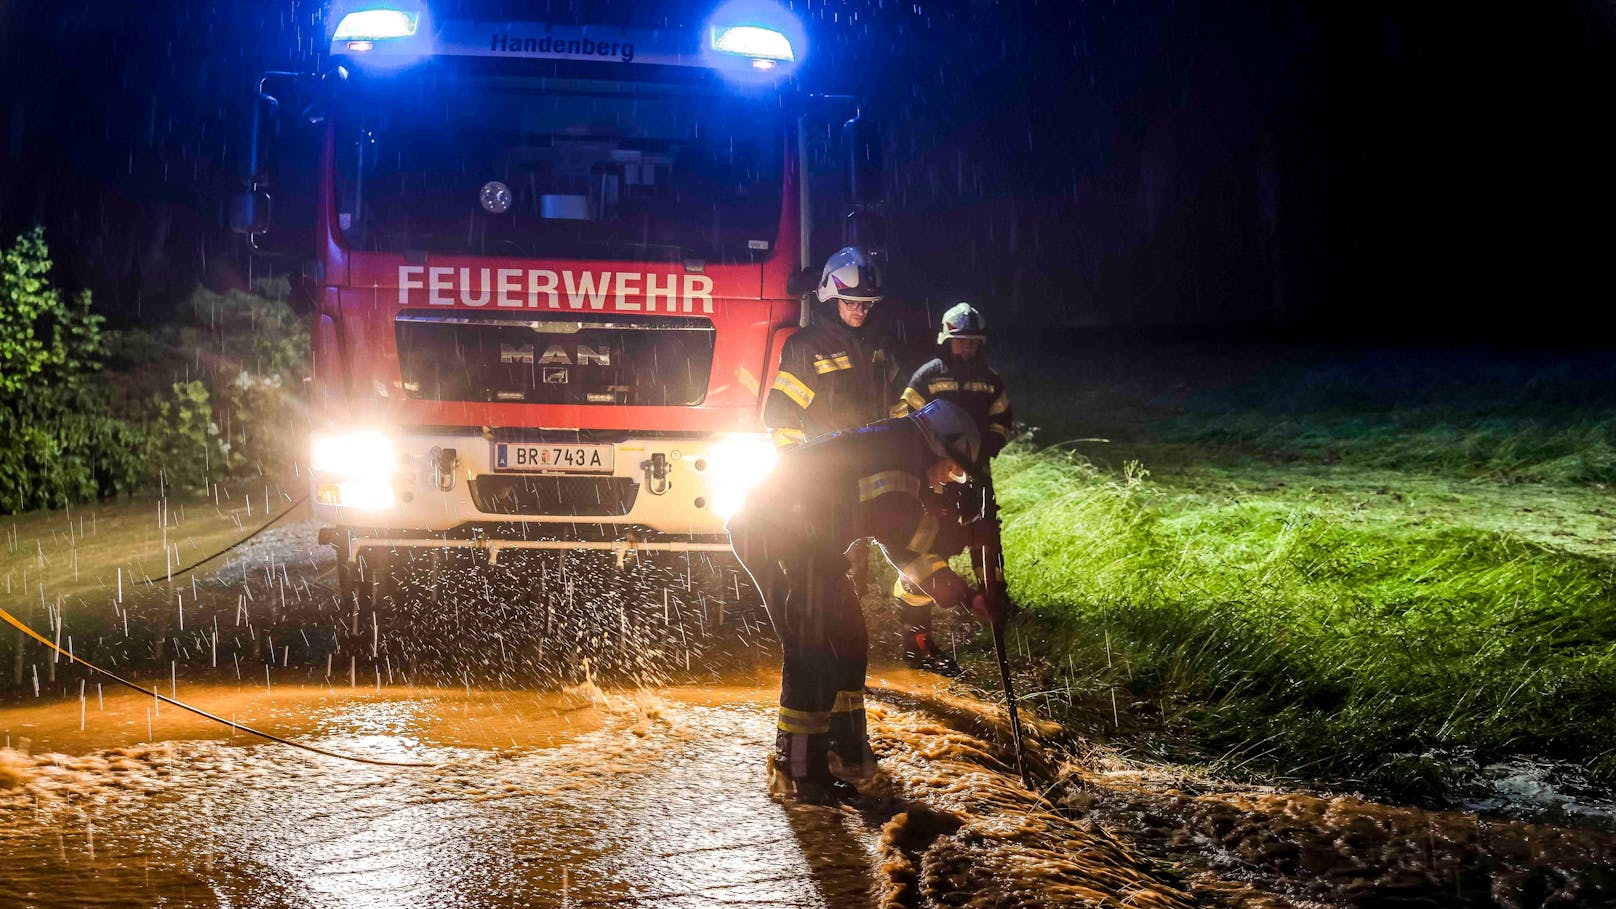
[376, 24]
[763, 45]
[753, 43]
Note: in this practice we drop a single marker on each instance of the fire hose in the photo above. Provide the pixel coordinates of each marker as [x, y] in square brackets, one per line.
[16, 623]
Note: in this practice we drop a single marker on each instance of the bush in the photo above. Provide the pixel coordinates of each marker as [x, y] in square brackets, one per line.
[217, 392]
[58, 442]
[183, 447]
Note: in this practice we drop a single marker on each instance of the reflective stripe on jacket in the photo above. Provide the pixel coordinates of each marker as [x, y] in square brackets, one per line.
[973, 385]
[831, 377]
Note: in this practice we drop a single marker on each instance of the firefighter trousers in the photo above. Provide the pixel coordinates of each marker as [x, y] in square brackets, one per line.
[824, 643]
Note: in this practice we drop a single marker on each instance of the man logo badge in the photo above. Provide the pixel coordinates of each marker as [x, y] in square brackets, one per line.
[512, 353]
[555, 354]
[555, 376]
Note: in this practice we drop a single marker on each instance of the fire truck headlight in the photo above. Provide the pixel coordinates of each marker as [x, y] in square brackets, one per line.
[360, 495]
[354, 455]
[738, 465]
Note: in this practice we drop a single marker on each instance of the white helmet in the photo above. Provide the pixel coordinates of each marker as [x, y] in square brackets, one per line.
[964, 322]
[950, 432]
[850, 275]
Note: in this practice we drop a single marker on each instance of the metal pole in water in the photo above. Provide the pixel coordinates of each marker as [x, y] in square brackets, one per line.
[990, 562]
[1010, 701]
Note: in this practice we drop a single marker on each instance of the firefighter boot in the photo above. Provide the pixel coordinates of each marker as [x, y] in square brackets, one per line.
[811, 790]
[919, 650]
[922, 652]
[850, 757]
[799, 771]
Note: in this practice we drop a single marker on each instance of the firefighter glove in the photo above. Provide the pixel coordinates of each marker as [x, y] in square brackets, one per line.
[986, 610]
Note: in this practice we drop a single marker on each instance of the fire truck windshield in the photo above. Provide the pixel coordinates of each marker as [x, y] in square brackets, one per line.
[448, 162]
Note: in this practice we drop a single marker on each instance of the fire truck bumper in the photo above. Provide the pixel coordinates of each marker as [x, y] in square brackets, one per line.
[533, 491]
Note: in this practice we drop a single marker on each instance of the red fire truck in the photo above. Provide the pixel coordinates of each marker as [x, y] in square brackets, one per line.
[549, 269]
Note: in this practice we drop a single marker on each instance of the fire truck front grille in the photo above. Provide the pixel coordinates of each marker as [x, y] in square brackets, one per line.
[565, 496]
[661, 361]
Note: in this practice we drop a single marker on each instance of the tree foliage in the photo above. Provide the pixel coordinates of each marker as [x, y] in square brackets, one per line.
[58, 441]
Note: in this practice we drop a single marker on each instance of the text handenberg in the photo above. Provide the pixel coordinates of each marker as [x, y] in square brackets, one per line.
[541, 288]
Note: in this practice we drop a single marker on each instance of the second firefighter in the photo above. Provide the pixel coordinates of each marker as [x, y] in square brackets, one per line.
[961, 375]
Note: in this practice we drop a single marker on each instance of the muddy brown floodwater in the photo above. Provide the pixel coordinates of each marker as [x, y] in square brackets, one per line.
[655, 797]
[545, 795]
[580, 797]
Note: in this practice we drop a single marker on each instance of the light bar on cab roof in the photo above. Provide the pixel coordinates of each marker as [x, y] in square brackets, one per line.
[763, 45]
[375, 24]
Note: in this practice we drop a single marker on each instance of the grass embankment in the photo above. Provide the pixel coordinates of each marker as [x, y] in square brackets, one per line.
[78, 553]
[69, 570]
[1335, 567]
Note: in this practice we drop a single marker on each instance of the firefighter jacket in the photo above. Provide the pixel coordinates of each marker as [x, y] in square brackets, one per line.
[868, 482]
[973, 385]
[831, 377]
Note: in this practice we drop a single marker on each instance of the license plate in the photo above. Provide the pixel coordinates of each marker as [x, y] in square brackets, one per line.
[540, 458]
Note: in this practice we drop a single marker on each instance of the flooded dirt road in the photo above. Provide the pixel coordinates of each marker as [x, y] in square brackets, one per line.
[544, 789]
[580, 798]
[646, 789]
[584, 797]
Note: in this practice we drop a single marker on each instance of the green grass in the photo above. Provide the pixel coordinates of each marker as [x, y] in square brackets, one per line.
[1324, 576]
[1529, 419]
[77, 554]
[71, 566]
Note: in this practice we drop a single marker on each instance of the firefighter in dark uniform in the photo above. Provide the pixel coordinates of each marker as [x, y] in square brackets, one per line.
[792, 536]
[960, 375]
[839, 373]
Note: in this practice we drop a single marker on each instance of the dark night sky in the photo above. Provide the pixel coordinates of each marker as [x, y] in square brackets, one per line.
[1378, 168]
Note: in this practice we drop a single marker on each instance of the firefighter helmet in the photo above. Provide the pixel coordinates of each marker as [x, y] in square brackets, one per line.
[964, 322]
[850, 275]
[950, 432]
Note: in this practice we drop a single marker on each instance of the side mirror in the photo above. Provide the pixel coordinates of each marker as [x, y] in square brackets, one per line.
[802, 282]
[249, 212]
[866, 228]
[275, 207]
[864, 225]
[865, 175]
